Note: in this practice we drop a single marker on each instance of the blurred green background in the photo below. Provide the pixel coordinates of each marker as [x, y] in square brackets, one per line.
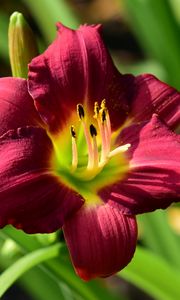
[143, 36]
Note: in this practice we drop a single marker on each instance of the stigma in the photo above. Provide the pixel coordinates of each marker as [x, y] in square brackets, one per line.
[98, 138]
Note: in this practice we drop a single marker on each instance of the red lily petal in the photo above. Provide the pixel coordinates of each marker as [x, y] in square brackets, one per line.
[154, 178]
[31, 197]
[148, 95]
[101, 240]
[76, 68]
[16, 105]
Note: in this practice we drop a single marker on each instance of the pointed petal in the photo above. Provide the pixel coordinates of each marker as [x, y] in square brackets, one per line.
[154, 176]
[16, 105]
[148, 95]
[31, 197]
[76, 68]
[101, 240]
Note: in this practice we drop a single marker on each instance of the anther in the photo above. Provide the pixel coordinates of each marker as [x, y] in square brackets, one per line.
[73, 133]
[93, 130]
[80, 111]
[95, 155]
[103, 115]
[74, 150]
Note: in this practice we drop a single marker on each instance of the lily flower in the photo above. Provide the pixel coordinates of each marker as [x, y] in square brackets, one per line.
[85, 148]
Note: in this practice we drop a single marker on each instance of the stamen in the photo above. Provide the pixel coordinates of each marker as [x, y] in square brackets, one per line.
[108, 123]
[103, 106]
[102, 127]
[93, 132]
[105, 131]
[74, 149]
[119, 149]
[81, 114]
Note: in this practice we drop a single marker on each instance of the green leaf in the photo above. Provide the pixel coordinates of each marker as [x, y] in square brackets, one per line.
[158, 236]
[28, 242]
[47, 13]
[9, 276]
[40, 285]
[4, 21]
[158, 32]
[89, 290]
[145, 66]
[61, 268]
[176, 9]
[151, 273]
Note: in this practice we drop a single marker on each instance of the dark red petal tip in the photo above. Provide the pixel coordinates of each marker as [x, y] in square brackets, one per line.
[148, 95]
[32, 198]
[154, 177]
[101, 240]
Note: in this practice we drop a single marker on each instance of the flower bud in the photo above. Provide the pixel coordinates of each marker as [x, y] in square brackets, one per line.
[22, 45]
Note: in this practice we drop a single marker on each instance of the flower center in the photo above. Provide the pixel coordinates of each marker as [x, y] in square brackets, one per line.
[99, 150]
[91, 159]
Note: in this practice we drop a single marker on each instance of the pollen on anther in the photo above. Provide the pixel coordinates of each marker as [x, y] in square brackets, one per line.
[73, 132]
[74, 150]
[96, 110]
[103, 104]
[80, 111]
[93, 130]
[103, 115]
